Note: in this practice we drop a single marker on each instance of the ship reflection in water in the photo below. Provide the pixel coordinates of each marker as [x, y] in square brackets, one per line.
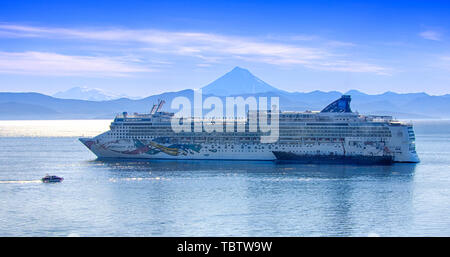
[257, 167]
[262, 198]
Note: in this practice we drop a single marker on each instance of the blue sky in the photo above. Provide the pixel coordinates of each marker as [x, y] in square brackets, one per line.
[141, 48]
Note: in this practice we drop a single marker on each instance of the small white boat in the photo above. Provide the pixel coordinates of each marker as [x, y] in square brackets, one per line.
[52, 179]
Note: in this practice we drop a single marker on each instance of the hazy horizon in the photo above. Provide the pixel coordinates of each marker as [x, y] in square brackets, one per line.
[115, 95]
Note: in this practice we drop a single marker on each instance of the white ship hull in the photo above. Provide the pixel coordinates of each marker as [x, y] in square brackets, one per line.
[340, 152]
[333, 135]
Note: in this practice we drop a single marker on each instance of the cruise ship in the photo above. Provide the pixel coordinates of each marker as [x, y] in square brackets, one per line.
[334, 135]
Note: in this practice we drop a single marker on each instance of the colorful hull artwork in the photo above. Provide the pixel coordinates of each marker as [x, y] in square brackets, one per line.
[151, 148]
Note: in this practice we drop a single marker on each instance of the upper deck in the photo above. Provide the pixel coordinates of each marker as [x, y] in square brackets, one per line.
[338, 112]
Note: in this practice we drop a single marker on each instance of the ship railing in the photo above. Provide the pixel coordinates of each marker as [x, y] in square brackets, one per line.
[389, 120]
[378, 118]
[135, 115]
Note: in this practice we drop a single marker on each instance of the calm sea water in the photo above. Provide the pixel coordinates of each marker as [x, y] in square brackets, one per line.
[213, 198]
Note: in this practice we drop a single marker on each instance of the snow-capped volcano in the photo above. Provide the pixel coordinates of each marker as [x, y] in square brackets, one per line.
[91, 94]
[238, 81]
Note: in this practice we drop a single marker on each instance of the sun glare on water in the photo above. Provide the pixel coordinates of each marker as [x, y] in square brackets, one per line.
[53, 128]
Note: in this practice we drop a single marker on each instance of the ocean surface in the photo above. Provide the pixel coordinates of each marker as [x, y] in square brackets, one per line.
[213, 198]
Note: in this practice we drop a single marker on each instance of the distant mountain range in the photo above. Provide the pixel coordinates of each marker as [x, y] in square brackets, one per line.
[90, 94]
[238, 82]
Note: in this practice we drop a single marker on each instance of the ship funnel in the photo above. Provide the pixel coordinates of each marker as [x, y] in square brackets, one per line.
[340, 105]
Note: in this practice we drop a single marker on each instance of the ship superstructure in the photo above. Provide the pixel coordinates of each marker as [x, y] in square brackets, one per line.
[335, 134]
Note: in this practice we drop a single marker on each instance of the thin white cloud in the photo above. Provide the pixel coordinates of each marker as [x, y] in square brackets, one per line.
[443, 62]
[298, 37]
[352, 66]
[203, 65]
[208, 47]
[335, 43]
[42, 63]
[303, 37]
[430, 35]
[438, 62]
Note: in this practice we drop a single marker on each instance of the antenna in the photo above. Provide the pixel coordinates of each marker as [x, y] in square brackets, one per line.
[153, 109]
[160, 105]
